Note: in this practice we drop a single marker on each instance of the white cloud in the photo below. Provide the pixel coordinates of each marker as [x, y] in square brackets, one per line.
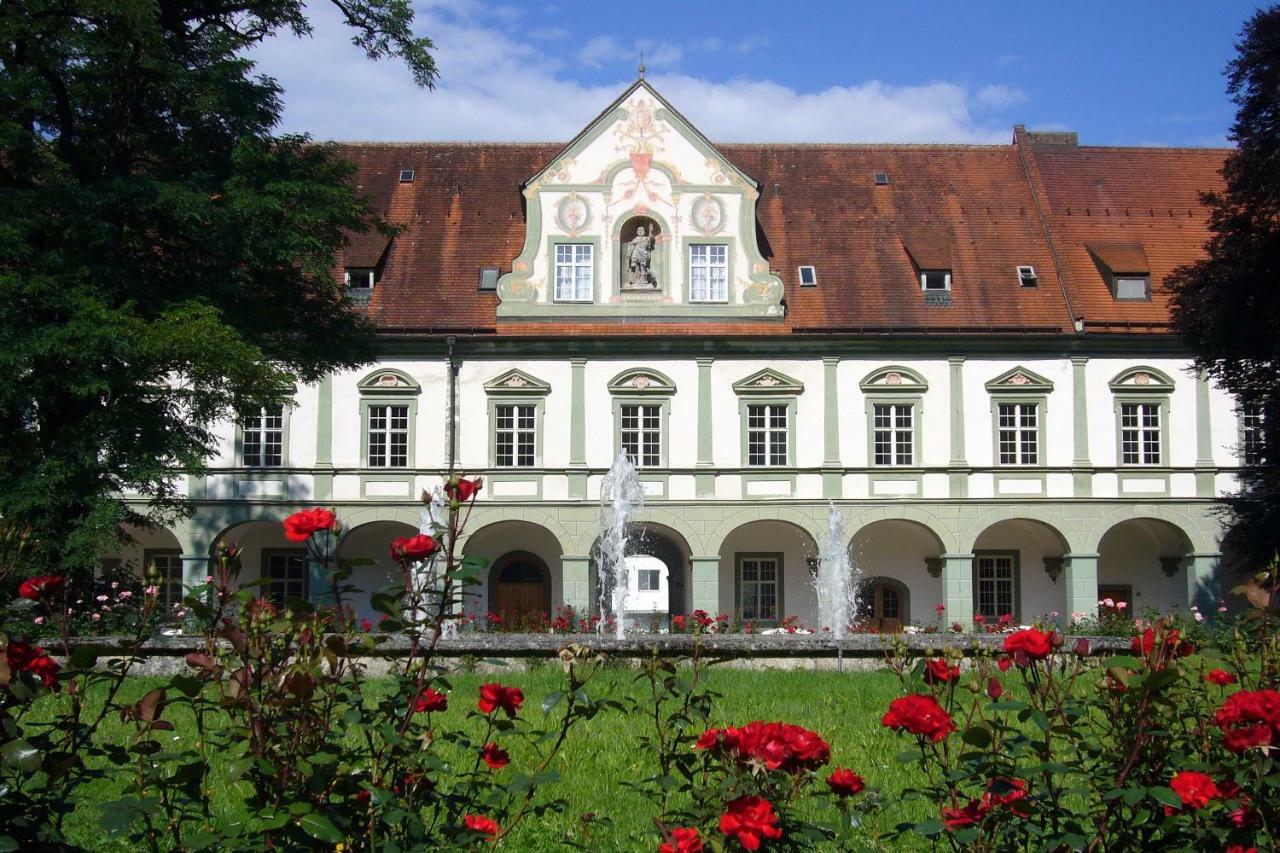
[494, 86]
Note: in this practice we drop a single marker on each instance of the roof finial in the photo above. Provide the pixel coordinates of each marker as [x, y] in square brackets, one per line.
[641, 68]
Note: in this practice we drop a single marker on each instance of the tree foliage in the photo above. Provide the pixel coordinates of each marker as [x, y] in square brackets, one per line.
[165, 257]
[1228, 305]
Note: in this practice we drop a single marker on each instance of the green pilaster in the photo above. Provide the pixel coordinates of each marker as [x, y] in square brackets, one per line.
[575, 576]
[706, 584]
[957, 587]
[832, 485]
[195, 568]
[1204, 588]
[1081, 466]
[322, 479]
[578, 428]
[958, 473]
[1080, 581]
[705, 483]
[319, 590]
[1204, 439]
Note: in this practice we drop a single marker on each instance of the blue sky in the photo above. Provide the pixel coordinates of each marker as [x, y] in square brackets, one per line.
[1119, 73]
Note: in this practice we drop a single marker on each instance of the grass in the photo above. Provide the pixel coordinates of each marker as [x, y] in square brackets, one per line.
[603, 753]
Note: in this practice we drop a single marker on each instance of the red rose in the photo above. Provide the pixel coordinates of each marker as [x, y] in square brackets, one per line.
[1009, 793]
[1194, 789]
[938, 672]
[366, 625]
[430, 700]
[968, 815]
[994, 688]
[919, 715]
[684, 839]
[1219, 677]
[1034, 643]
[24, 657]
[1240, 848]
[1144, 643]
[413, 548]
[708, 739]
[463, 490]
[299, 526]
[749, 820]
[481, 824]
[44, 586]
[495, 756]
[494, 696]
[777, 746]
[1004, 664]
[843, 782]
[1249, 719]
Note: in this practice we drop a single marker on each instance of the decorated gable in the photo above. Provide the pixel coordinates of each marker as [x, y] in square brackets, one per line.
[640, 216]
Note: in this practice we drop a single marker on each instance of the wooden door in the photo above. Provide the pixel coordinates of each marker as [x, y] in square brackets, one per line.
[515, 598]
[886, 608]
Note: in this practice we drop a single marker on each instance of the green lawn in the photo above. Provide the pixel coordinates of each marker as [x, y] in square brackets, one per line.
[602, 753]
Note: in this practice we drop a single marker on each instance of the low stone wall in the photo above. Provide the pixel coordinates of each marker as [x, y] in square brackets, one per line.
[164, 655]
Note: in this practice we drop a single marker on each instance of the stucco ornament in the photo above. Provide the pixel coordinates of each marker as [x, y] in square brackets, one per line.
[762, 292]
[641, 382]
[708, 215]
[893, 377]
[517, 290]
[573, 214]
[1142, 378]
[516, 381]
[1019, 379]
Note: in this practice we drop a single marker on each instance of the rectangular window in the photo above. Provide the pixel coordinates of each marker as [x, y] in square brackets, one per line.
[893, 433]
[263, 433]
[758, 590]
[1140, 433]
[767, 434]
[516, 436]
[642, 434]
[1251, 443]
[574, 270]
[648, 580]
[286, 573]
[935, 279]
[359, 278]
[388, 436]
[1019, 433]
[994, 588]
[169, 566]
[708, 273]
[1133, 288]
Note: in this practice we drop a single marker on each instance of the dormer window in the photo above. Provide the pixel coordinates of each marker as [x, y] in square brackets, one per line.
[932, 281]
[1133, 287]
[1125, 268]
[1027, 276]
[359, 279]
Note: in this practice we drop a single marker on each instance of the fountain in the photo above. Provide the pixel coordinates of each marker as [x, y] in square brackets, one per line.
[621, 497]
[836, 582]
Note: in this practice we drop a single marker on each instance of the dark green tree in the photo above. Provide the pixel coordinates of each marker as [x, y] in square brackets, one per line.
[165, 255]
[1227, 305]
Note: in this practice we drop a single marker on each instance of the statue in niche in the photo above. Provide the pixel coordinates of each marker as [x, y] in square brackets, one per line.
[639, 261]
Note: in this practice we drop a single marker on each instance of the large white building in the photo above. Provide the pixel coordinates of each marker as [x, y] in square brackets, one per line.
[965, 348]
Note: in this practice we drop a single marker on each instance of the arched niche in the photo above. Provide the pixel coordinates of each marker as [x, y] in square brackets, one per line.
[642, 255]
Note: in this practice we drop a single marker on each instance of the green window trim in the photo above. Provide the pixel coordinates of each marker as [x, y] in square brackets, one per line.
[1162, 403]
[1042, 416]
[744, 405]
[916, 403]
[686, 253]
[1016, 557]
[664, 425]
[285, 409]
[167, 597]
[780, 575]
[388, 386]
[264, 562]
[515, 388]
[583, 240]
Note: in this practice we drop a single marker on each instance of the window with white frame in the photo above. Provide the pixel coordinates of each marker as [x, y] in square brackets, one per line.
[359, 278]
[759, 582]
[263, 438]
[516, 434]
[935, 280]
[388, 436]
[1251, 441]
[648, 580]
[168, 565]
[575, 266]
[286, 574]
[893, 433]
[1140, 432]
[708, 272]
[1018, 428]
[995, 585]
[641, 433]
[767, 434]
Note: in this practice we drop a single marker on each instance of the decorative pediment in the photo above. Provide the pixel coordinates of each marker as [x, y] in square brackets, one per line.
[894, 379]
[641, 380]
[388, 380]
[768, 381]
[1019, 380]
[516, 381]
[1142, 380]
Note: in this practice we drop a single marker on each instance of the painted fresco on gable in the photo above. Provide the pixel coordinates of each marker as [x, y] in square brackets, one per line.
[656, 222]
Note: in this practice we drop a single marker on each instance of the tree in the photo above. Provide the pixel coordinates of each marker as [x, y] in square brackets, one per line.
[1227, 305]
[165, 257]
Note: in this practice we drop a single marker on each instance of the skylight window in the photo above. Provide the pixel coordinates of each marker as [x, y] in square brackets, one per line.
[406, 176]
[489, 278]
[881, 179]
[1027, 276]
[808, 276]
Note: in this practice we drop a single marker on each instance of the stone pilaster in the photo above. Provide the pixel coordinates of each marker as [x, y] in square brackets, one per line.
[957, 588]
[706, 584]
[576, 578]
[1080, 583]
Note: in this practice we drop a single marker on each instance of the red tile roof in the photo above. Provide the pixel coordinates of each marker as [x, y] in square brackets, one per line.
[981, 211]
